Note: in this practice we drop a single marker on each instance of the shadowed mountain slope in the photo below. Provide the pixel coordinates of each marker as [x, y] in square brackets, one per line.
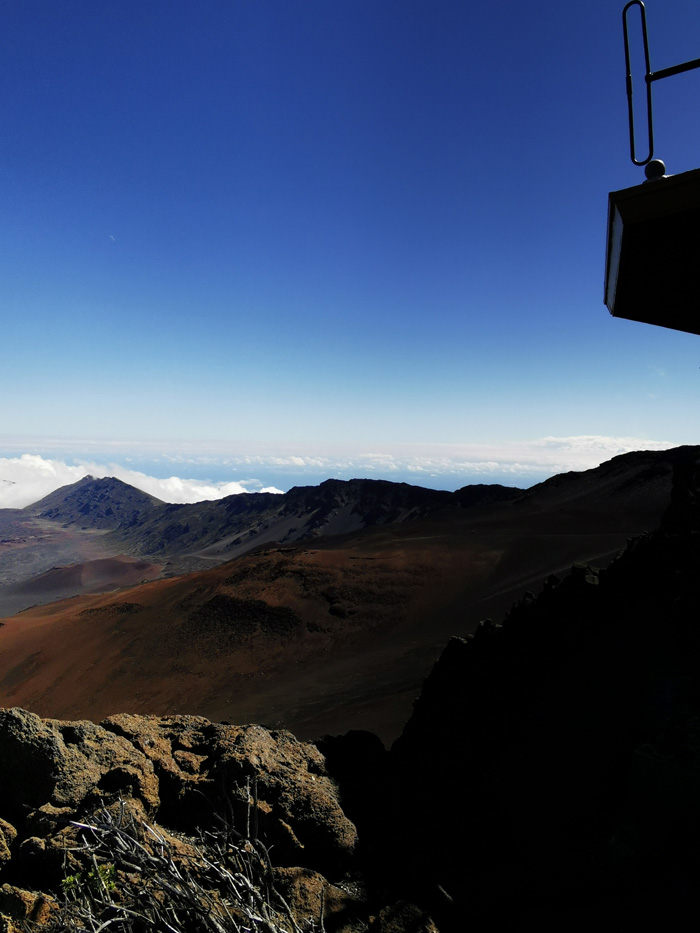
[95, 503]
[573, 730]
[215, 531]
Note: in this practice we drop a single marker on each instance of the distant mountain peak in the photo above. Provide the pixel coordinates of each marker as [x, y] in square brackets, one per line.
[103, 503]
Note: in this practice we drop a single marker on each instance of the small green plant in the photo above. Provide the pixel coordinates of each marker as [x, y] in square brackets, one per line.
[72, 882]
[99, 879]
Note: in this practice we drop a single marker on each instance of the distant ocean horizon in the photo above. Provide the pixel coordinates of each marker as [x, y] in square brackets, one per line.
[32, 468]
[285, 479]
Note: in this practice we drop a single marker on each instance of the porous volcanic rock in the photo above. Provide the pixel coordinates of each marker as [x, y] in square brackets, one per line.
[402, 917]
[313, 898]
[261, 776]
[21, 905]
[8, 834]
[67, 765]
[182, 776]
[183, 771]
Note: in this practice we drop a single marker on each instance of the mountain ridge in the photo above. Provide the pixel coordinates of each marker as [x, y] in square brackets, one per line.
[197, 533]
[231, 526]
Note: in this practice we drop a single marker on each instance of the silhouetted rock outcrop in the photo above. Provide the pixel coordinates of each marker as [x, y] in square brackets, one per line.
[551, 762]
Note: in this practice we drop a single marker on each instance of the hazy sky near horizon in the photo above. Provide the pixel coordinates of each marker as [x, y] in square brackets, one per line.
[300, 225]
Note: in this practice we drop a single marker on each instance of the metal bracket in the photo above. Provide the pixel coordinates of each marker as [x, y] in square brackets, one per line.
[649, 77]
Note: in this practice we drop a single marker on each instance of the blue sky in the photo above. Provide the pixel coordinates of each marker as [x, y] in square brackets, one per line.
[286, 228]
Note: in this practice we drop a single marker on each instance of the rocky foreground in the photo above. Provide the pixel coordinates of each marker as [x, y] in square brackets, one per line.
[181, 774]
[549, 776]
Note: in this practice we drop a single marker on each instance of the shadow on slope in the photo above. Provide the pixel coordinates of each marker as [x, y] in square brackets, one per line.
[551, 763]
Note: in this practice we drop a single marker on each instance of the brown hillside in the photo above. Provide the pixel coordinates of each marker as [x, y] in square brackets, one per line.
[330, 634]
[285, 636]
[94, 576]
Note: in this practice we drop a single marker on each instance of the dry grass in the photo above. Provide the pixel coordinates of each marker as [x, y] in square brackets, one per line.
[137, 878]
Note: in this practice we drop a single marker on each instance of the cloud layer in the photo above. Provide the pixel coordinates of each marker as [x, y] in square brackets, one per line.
[541, 457]
[28, 477]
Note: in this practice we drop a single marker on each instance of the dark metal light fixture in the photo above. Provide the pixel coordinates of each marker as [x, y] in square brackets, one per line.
[652, 269]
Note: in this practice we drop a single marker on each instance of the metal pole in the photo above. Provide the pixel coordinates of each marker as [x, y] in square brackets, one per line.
[649, 77]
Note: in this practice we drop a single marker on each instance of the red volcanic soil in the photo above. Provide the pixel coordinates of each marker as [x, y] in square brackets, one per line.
[104, 575]
[41, 560]
[90, 577]
[281, 637]
[315, 639]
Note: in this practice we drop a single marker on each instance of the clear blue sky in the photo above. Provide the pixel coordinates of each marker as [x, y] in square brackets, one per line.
[310, 223]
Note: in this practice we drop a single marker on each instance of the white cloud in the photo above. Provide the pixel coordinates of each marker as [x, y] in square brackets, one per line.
[290, 461]
[583, 452]
[612, 445]
[172, 488]
[514, 463]
[26, 479]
